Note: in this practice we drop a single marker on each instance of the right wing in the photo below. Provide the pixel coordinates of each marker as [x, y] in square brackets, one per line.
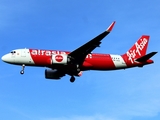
[80, 53]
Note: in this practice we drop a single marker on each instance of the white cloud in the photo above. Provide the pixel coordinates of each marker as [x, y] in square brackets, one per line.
[96, 117]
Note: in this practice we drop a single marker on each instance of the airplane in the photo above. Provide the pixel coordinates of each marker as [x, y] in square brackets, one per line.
[61, 63]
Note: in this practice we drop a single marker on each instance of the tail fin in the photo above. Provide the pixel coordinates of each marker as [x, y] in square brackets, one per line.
[138, 49]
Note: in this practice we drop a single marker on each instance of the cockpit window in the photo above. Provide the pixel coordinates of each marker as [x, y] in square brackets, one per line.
[13, 52]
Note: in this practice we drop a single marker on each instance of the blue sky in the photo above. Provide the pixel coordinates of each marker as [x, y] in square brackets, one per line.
[132, 94]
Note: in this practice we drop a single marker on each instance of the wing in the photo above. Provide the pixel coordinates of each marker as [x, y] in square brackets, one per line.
[80, 53]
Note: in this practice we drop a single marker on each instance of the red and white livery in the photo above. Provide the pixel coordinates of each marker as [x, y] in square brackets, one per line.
[73, 63]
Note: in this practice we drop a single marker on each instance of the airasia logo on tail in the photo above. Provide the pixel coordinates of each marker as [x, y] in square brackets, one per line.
[137, 51]
[139, 47]
[59, 58]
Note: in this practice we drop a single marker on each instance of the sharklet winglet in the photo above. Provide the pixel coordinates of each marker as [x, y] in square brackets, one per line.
[109, 29]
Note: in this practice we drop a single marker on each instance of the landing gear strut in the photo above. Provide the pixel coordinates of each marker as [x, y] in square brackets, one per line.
[72, 79]
[22, 71]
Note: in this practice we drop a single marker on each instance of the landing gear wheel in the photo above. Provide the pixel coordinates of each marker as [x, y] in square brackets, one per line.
[22, 72]
[72, 79]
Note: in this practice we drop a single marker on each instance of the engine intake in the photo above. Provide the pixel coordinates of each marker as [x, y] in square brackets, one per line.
[53, 74]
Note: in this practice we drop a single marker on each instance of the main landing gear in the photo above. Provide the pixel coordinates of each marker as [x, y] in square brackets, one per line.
[22, 71]
[75, 72]
[72, 79]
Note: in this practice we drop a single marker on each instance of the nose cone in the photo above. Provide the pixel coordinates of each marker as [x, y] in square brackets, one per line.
[6, 58]
[3, 58]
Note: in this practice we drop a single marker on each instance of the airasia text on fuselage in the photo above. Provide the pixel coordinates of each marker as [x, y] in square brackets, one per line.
[51, 52]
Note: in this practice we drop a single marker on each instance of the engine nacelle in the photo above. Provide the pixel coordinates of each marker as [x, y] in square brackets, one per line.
[60, 59]
[52, 74]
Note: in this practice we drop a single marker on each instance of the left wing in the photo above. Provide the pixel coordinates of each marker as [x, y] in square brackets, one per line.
[80, 53]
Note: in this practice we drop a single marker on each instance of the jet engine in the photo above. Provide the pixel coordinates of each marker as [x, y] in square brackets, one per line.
[53, 74]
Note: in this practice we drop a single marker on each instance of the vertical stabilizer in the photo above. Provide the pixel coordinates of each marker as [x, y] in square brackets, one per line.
[138, 49]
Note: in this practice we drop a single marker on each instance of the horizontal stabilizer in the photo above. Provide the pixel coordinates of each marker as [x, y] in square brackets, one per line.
[146, 57]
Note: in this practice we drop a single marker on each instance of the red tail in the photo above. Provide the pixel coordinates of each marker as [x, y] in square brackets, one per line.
[138, 49]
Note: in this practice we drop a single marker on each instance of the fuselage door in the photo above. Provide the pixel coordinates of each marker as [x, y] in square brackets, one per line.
[23, 53]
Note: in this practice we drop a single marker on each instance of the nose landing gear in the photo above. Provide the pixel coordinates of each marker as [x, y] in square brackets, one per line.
[22, 71]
